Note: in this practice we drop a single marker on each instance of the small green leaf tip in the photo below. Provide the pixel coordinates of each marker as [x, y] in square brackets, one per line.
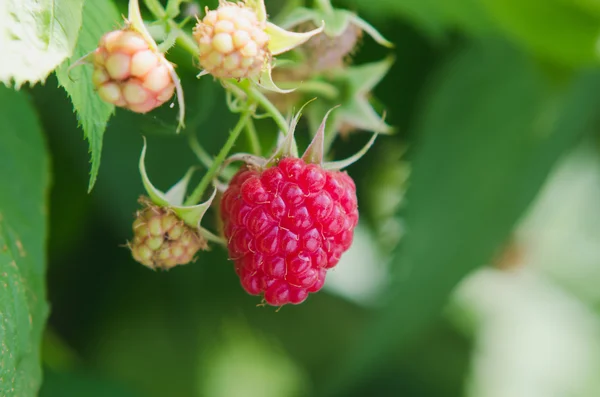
[288, 146]
[338, 165]
[135, 22]
[192, 214]
[281, 40]
[176, 193]
[156, 196]
[315, 151]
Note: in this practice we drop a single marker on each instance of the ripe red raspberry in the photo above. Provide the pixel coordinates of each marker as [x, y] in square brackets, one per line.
[286, 225]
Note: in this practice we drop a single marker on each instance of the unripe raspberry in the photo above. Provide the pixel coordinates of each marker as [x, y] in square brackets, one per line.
[325, 52]
[286, 225]
[162, 240]
[129, 73]
[232, 41]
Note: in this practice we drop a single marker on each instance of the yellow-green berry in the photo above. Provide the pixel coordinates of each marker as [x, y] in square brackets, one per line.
[162, 240]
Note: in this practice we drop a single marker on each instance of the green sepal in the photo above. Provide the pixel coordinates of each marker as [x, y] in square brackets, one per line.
[135, 22]
[370, 30]
[281, 40]
[192, 215]
[336, 23]
[265, 80]
[356, 111]
[340, 164]
[315, 151]
[258, 6]
[176, 193]
[156, 196]
[287, 146]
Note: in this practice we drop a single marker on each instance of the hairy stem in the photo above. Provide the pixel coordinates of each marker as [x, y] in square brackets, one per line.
[324, 5]
[156, 9]
[255, 146]
[255, 95]
[197, 194]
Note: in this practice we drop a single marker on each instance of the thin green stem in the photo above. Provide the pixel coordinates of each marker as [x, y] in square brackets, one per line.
[200, 152]
[253, 138]
[255, 95]
[251, 91]
[184, 39]
[156, 9]
[324, 5]
[197, 194]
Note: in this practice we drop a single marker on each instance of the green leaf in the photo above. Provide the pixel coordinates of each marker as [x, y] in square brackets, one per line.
[434, 16]
[24, 170]
[36, 36]
[554, 29]
[490, 132]
[99, 17]
[76, 384]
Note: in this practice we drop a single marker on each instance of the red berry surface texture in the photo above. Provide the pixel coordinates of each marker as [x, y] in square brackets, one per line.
[286, 226]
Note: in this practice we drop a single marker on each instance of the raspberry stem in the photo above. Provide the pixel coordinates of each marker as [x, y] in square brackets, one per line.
[324, 5]
[196, 195]
[253, 138]
[254, 94]
[188, 44]
[156, 9]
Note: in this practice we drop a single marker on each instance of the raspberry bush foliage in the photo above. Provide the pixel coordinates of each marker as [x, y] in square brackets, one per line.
[290, 192]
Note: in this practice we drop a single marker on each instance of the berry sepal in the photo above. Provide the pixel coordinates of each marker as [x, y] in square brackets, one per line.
[314, 153]
[173, 199]
[336, 21]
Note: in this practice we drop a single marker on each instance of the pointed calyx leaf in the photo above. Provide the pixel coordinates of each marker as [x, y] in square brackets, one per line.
[247, 158]
[287, 146]
[155, 195]
[134, 18]
[258, 6]
[315, 151]
[297, 17]
[356, 111]
[370, 30]
[281, 40]
[336, 23]
[338, 165]
[179, 90]
[192, 215]
[176, 193]
[265, 80]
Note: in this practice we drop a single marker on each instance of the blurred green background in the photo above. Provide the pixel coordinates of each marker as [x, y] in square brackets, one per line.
[475, 267]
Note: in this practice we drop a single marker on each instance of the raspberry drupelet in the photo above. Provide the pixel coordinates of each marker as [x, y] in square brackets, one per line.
[286, 225]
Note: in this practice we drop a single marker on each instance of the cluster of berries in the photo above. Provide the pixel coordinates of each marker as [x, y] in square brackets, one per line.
[286, 220]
